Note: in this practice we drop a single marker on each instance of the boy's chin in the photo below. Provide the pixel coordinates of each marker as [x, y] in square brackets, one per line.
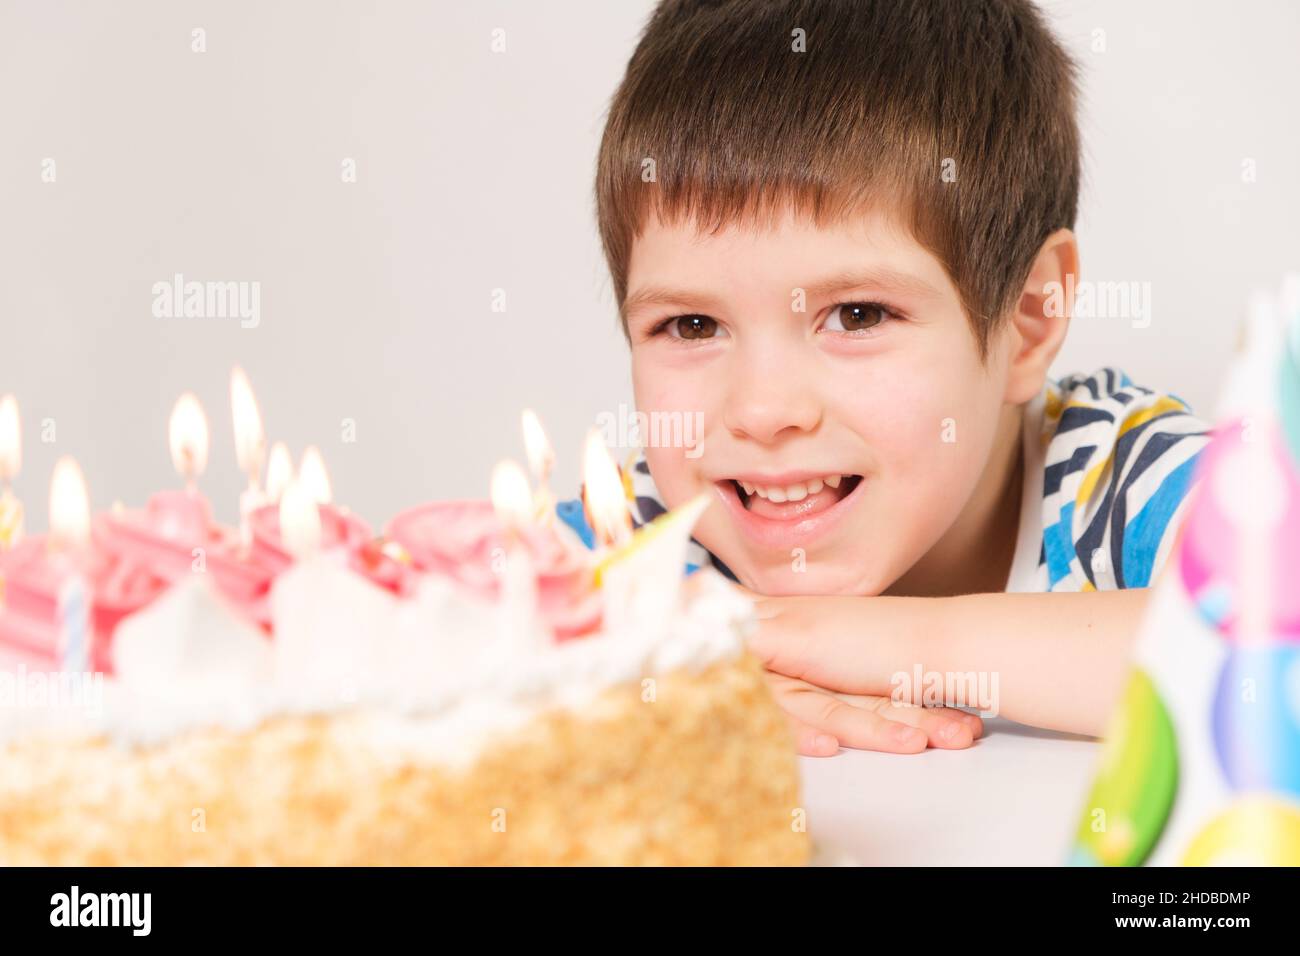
[787, 582]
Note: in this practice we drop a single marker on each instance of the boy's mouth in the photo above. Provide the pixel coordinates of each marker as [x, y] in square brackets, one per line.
[789, 497]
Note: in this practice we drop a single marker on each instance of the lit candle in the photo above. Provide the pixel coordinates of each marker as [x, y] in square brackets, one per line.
[68, 542]
[175, 520]
[279, 472]
[541, 460]
[604, 495]
[187, 434]
[339, 527]
[313, 477]
[175, 535]
[11, 458]
[184, 515]
[513, 502]
[66, 591]
[511, 497]
[250, 447]
[639, 573]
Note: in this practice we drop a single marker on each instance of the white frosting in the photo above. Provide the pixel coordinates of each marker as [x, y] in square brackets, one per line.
[431, 677]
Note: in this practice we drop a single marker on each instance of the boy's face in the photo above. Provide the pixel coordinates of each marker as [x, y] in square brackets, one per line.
[846, 416]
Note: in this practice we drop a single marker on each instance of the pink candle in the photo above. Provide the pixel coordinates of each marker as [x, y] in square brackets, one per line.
[50, 579]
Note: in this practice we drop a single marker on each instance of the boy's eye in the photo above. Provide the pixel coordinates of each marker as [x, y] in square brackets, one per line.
[855, 317]
[692, 327]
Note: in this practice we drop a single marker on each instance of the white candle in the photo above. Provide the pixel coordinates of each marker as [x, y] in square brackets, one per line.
[74, 624]
[69, 538]
[250, 447]
[541, 460]
[313, 477]
[279, 472]
[512, 499]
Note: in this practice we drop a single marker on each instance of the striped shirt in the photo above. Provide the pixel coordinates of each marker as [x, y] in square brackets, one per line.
[1108, 466]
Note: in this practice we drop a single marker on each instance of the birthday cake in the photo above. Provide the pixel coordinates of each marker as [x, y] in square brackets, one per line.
[473, 687]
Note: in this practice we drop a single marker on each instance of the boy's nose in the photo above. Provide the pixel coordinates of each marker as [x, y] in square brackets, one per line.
[768, 398]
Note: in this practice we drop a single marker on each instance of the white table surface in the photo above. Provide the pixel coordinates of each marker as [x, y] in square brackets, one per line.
[1014, 798]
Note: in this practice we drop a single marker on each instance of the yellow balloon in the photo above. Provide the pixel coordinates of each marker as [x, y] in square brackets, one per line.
[1254, 831]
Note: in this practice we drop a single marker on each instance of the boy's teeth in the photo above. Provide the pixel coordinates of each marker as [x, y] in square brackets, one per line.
[779, 494]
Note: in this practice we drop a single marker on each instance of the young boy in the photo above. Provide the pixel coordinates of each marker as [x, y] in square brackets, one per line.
[838, 231]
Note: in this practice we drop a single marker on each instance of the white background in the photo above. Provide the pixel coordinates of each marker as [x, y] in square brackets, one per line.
[475, 173]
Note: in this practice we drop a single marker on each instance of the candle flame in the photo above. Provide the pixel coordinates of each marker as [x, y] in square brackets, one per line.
[69, 505]
[313, 477]
[279, 472]
[606, 501]
[11, 439]
[512, 497]
[187, 434]
[250, 437]
[299, 521]
[541, 456]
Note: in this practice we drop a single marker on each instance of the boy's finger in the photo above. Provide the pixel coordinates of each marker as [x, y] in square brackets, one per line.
[972, 721]
[944, 728]
[811, 742]
[854, 726]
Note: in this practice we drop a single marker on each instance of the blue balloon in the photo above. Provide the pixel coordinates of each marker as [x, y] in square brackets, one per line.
[1257, 719]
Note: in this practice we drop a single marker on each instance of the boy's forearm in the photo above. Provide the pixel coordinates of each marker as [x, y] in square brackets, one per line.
[1060, 659]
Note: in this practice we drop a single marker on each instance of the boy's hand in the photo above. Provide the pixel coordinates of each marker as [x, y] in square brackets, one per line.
[823, 722]
[810, 643]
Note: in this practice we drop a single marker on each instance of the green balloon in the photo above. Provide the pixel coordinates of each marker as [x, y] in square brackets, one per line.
[1134, 790]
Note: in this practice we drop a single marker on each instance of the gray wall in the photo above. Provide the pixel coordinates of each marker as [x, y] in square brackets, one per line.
[474, 173]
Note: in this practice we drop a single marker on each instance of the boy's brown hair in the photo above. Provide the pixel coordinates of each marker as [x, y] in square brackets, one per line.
[739, 123]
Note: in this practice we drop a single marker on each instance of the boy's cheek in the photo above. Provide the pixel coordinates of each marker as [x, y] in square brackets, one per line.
[675, 475]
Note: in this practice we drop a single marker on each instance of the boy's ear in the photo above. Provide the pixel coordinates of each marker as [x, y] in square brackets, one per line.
[1040, 318]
